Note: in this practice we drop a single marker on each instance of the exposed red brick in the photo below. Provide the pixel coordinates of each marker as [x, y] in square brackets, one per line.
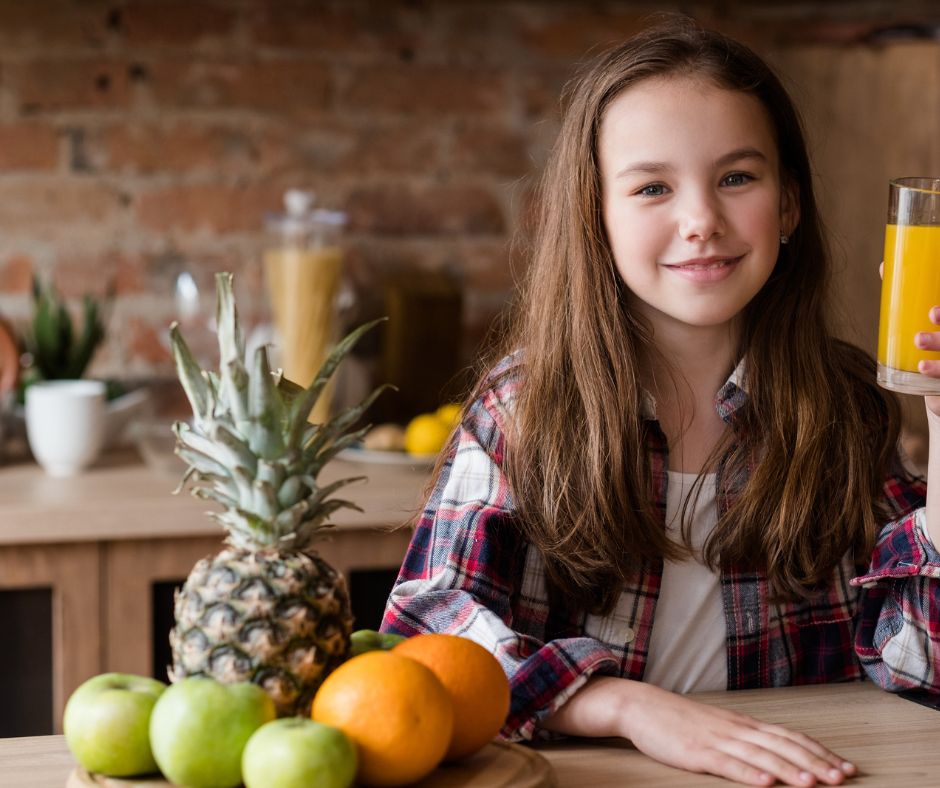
[290, 86]
[541, 92]
[28, 146]
[68, 83]
[490, 150]
[60, 23]
[16, 274]
[426, 90]
[177, 22]
[357, 148]
[437, 210]
[350, 27]
[148, 148]
[221, 208]
[56, 202]
[145, 342]
[91, 271]
[571, 31]
[483, 38]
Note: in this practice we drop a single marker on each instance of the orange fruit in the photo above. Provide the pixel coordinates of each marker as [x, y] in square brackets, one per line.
[476, 682]
[395, 710]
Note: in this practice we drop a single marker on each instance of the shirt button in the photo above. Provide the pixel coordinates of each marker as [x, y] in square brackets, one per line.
[628, 635]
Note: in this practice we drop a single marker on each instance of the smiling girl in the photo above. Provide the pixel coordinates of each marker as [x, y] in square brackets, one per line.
[676, 479]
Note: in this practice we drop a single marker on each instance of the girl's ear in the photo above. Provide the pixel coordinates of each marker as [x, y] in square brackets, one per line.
[789, 208]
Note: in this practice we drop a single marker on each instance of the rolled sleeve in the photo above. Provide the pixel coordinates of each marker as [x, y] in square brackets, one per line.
[898, 635]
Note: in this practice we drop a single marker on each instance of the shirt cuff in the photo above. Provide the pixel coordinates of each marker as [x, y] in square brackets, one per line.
[546, 681]
[903, 550]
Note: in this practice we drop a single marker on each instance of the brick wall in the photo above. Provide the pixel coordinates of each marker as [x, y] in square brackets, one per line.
[138, 139]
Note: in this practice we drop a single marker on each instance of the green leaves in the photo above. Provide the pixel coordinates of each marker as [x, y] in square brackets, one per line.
[59, 351]
[303, 403]
[252, 447]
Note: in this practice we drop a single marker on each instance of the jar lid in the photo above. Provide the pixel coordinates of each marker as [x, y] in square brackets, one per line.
[300, 216]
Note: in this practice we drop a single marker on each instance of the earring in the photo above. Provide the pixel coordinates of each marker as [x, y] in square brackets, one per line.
[784, 239]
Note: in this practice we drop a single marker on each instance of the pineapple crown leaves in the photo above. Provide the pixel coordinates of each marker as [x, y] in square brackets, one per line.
[58, 352]
[251, 447]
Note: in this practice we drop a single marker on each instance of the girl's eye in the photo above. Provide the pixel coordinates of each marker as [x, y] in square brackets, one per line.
[653, 190]
[737, 179]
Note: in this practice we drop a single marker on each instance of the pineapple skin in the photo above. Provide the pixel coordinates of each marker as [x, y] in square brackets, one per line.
[279, 619]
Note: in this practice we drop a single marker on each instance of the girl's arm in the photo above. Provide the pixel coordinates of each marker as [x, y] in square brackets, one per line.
[933, 471]
[931, 341]
[897, 635]
[681, 732]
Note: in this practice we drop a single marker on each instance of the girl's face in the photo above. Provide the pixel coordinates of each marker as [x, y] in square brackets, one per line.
[692, 199]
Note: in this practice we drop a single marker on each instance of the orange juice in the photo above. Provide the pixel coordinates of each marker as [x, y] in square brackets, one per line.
[911, 287]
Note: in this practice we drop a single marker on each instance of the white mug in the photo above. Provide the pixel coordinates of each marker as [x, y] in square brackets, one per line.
[65, 424]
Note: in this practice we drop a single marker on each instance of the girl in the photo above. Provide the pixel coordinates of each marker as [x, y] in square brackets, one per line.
[615, 531]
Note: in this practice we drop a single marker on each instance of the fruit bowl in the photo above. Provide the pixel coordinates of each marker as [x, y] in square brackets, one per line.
[387, 457]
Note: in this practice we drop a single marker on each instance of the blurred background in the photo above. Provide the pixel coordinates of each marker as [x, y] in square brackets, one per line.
[146, 145]
[142, 140]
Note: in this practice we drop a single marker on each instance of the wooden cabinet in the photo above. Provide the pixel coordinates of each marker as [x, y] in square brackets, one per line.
[103, 543]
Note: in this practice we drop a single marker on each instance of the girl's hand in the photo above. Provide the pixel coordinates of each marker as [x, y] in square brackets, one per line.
[681, 732]
[930, 340]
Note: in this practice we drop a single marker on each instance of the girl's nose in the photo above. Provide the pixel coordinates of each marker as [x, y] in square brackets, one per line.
[701, 218]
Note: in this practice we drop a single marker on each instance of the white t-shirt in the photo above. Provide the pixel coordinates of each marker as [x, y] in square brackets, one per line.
[688, 644]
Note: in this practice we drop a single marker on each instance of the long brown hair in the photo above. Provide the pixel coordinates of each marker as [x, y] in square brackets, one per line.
[815, 438]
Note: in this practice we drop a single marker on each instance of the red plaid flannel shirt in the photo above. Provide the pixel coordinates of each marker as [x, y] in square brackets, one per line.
[467, 572]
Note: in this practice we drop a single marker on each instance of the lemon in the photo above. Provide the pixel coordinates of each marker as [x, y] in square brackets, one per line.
[449, 414]
[426, 434]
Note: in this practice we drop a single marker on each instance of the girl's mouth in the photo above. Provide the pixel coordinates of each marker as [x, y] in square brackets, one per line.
[708, 269]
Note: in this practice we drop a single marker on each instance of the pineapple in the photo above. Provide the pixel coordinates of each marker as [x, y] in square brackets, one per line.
[266, 609]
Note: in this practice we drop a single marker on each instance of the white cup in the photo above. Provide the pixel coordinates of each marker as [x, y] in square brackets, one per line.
[65, 424]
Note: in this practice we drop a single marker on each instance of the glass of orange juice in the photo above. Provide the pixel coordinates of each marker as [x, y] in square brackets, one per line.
[910, 287]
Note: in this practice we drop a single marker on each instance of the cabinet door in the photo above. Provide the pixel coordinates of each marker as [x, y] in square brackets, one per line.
[70, 575]
[133, 570]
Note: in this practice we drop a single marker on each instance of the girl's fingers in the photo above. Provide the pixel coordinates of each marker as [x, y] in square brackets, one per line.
[927, 340]
[724, 765]
[881, 270]
[803, 764]
[807, 743]
[929, 368]
[769, 762]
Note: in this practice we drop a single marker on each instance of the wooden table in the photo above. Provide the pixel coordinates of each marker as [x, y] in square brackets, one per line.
[893, 742]
[101, 540]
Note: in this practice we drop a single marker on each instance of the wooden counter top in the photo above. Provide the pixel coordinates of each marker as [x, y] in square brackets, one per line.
[121, 498]
[893, 742]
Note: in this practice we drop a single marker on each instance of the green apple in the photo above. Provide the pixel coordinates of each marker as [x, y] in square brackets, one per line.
[107, 723]
[297, 752]
[363, 640]
[200, 726]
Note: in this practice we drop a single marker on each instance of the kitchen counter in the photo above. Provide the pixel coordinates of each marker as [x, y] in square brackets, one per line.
[121, 498]
[892, 741]
[102, 541]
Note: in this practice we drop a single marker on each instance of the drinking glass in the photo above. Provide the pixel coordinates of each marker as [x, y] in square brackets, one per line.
[910, 287]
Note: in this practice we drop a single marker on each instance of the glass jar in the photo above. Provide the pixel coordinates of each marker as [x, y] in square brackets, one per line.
[304, 272]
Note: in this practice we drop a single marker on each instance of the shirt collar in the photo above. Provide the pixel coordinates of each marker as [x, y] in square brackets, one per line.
[729, 399]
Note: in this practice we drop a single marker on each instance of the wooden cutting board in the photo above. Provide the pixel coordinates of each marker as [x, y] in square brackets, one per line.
[498, 765]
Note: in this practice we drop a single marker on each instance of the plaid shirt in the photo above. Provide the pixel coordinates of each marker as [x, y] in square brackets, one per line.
[468, 573]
